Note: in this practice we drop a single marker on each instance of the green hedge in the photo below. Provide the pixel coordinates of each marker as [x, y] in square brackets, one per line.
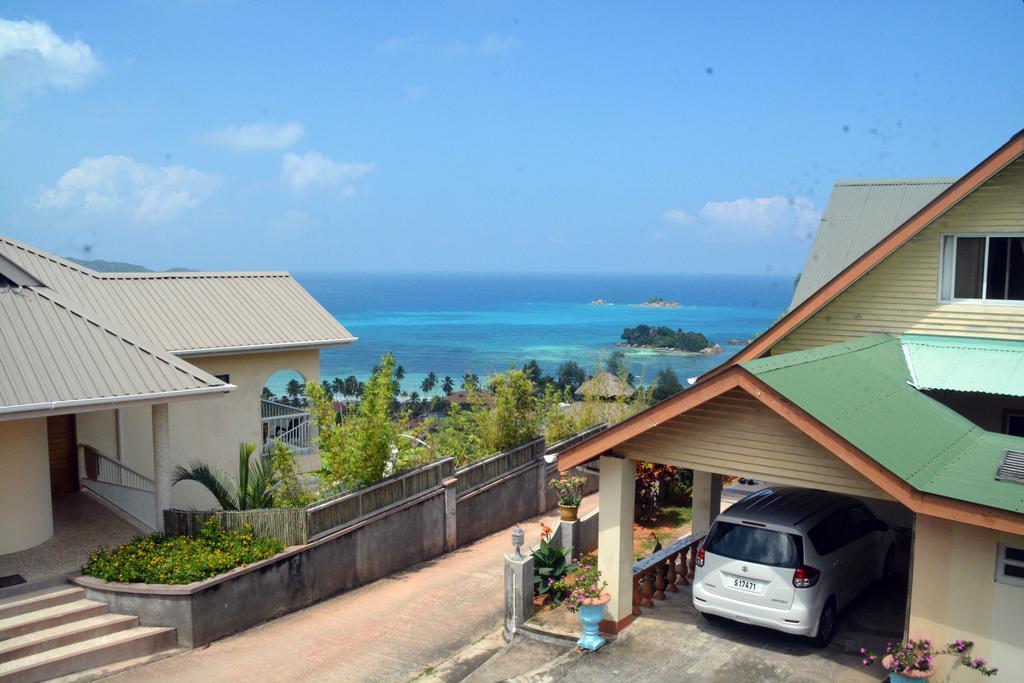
[181, 559]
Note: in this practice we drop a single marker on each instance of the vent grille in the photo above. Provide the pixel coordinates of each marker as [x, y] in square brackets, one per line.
[1012, 467]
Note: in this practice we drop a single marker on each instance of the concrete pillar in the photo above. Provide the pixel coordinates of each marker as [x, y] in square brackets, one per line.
[542, 484]
[707, 500]
[161, 461]
[615, 538]
[518, 592]
[569, 537]
[450, 514]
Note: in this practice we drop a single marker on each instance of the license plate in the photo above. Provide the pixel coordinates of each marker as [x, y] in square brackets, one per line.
[746, 585]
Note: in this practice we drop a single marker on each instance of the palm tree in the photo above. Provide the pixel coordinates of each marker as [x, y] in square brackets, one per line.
[399, 373]
[328, 387]
[252, 488]
[351, 386]
[294, 388]
[470, 382]
[429, 382]
[339, 387]
[448, 386]
[267, 394]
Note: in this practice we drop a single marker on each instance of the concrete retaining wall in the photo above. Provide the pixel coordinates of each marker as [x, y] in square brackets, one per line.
[397, 538]
[497, 505]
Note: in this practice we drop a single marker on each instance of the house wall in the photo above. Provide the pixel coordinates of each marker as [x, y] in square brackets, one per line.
[901, 294]
[737, 435]
[207, 429]
[954, 594]
[25, 485]
[984, 410]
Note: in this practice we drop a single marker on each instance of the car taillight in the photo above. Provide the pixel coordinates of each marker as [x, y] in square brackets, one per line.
[805, 577]
[700, 556]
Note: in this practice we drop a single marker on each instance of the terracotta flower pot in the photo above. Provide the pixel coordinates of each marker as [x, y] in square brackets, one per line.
[590, 613]
[568, 512]
[907, 676]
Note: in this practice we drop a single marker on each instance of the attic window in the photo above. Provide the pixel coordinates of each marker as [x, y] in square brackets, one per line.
[1012, 467]
[983, 268]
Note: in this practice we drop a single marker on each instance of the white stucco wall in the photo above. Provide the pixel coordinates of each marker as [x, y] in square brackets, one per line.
[955, 595]
[208, 429]
[25, 485]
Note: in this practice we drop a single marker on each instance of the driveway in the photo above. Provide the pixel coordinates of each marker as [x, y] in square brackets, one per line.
[390, 630]
[672, 642]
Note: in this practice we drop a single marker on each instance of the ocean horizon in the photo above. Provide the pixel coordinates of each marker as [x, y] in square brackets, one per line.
[454, 323]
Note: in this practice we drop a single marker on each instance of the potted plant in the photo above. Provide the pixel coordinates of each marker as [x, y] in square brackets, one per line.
[586, 598]
[570, 493]
[912, 660]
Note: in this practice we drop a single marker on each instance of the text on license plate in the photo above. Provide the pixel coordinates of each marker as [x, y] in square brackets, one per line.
[745, 585]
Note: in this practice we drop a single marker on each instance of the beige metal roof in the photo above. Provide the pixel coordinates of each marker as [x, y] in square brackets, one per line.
[189, 313]
[859, 214]
[54, 358]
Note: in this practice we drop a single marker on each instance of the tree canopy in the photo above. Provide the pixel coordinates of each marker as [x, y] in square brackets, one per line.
[665, 337]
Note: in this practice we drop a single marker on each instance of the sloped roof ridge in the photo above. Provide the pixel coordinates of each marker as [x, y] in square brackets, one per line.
[941, 457]
[97, 275]
[937, 180]
[172, 361]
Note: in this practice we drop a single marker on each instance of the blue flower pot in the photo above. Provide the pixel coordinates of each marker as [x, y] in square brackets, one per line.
[900, 678]
[590, 616]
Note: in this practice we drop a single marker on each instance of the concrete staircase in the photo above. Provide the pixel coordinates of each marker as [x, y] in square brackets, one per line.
[57, 631]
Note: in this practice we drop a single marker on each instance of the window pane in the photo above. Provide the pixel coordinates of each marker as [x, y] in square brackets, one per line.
[1016, 277]
[997, 267]
[1015, 554]
[970, 254]
[1015, 427]
[751, 544]
[1016, 572]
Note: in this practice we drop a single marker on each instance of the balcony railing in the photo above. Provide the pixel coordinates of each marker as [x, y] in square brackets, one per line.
[284, 423]
[664, 571]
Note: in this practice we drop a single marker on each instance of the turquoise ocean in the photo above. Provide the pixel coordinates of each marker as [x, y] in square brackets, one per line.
[485, 323]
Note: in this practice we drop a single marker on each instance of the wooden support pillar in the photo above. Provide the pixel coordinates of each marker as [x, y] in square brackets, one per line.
[707, 500]
[615, 539]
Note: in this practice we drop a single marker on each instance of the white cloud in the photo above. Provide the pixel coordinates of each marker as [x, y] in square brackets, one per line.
[313, 170]
[677, 216]
[742, 220]
[257, 136]
[34, 58]
[760, 218]
[493, 44]
[120, 186]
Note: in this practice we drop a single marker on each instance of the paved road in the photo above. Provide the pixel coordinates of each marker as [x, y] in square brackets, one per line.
[389, 630]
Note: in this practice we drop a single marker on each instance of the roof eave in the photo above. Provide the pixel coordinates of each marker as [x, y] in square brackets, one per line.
[85, 405]
[264, 348]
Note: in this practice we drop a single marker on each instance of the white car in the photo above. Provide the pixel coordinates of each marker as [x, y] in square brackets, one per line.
[789, 559]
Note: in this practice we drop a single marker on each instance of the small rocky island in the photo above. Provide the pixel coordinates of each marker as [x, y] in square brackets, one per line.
[666, 339]
[658, 302]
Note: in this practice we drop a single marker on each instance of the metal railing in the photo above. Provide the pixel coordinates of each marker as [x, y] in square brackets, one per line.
[120, 486]
[284, 423]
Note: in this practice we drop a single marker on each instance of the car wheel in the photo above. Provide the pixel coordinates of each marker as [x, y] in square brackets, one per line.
[826, 624]
[889, 566]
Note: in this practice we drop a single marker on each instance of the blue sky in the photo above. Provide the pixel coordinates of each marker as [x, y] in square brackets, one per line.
[677, 137]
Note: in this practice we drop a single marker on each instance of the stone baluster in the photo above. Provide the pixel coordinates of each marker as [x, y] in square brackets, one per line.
[636, 594]
[670, 577]
[659, 580]
[647, 591]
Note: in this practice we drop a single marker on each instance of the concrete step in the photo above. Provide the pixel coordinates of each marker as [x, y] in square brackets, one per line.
[65, 634]
[29, 602]
[88, 654]
[48, 617]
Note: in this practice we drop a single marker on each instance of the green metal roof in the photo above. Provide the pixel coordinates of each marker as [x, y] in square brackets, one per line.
[965, 364]
[860, 389]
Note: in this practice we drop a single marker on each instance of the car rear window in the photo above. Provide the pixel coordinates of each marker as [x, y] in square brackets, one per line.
[753, 544]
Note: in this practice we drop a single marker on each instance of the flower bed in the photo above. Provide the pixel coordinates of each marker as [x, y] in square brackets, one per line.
[181, 559]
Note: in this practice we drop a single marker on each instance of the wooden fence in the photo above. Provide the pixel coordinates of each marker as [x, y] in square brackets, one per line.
[296, 526]
[332, 513]
[495, 466]
[287, 524]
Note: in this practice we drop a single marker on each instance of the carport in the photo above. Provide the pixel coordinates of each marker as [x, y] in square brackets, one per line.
[840, 418]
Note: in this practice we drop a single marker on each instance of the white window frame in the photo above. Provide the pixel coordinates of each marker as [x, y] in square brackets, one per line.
[1002, 562]
[947, 270]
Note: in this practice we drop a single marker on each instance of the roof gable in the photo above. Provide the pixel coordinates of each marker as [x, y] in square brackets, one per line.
[934, 209]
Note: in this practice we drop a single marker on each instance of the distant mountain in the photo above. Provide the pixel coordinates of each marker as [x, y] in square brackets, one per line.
[102, 266]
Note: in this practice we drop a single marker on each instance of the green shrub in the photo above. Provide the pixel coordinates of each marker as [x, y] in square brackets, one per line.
[289, 491]
[180, 559]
